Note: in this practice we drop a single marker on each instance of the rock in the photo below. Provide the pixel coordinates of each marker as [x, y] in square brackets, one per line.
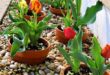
[46, 70]
[12, 62]
[60, 59]
[56, 74]
[58, 69]
[13, 66]
[4, 61]
[49, 74]
[41, 72]
[49, 34]
[42, 67]
[25, 73]
[51, 66]
[23, 66]
[2, 52]
[6, 55]
[47, 63]
[31, 73]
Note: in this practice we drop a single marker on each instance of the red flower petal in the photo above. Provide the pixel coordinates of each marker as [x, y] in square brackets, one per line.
[69, 33]
[106, 51]
[35, 5]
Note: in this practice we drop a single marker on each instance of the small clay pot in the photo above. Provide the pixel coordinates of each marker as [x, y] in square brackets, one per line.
[86, 34]
[59, 34]
[28, 1]
[57, 11]
[39, 18]
[32, 57]
[107, 72]
[68, 67]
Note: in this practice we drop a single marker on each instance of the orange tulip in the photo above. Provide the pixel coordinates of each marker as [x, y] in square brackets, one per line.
[106, 51]
[35, 6]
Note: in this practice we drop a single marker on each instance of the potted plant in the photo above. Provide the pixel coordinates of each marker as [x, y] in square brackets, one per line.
[27, 10]
[94, 64]
[25, 44]
[78, 20]
[57, 7]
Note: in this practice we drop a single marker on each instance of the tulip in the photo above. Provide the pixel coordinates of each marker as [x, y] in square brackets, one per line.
[35, 6]
[22, 4]
[69, 33]
[106, 51]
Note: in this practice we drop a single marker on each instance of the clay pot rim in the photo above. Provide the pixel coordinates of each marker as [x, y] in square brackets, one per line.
[42, 14]
[62, 72]
[59, 28]
[34, 50]
[50, 6]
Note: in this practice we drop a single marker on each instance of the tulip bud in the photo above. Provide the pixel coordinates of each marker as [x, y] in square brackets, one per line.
[22, 4]
[35, 6]
[69, 33]
[106, 51]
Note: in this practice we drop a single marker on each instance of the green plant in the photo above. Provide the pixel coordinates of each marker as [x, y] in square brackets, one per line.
[56, 3]
[23, 32]
[89, 16]
[95, 62]
[75, 46]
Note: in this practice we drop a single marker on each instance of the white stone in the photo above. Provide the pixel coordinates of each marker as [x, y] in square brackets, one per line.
[41, 72]
[3, 61]
[25, 73]
[13, 66]
[2, 52]
[49, 34]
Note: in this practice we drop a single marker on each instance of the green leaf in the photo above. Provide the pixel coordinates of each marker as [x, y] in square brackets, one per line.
[96, 54]
[76, 44]
[15, 46]
[66, 56]
[74, 14]
[26, 40]
[78, 6]
[48, 17]
[90, 14]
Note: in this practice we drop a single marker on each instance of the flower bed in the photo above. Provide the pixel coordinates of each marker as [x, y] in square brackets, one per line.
[54, 61]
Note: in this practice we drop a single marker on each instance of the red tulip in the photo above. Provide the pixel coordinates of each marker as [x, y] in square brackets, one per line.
[69, 33]
[106, 51]
[36, 6]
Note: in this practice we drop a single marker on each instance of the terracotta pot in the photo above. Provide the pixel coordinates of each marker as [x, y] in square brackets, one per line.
[107, 72]
[28, 1]
[68, 67]
[32, 57]
[86, 34]
[57, 11]
[60, 35]
[39, 18]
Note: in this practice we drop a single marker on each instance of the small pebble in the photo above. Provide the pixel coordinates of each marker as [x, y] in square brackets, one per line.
[13, 66]
[41, 72]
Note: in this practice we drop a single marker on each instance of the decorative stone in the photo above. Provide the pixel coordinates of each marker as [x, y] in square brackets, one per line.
[4, 61]
[47, 70]
[25, 73]
[41, 72]
[60, 59]
[2, 52]
[13, 66]
[51, 66]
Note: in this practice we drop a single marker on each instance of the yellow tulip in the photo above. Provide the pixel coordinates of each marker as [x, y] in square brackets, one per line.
[23, 4]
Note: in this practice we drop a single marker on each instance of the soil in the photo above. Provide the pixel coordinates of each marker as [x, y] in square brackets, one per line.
[29, 13]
